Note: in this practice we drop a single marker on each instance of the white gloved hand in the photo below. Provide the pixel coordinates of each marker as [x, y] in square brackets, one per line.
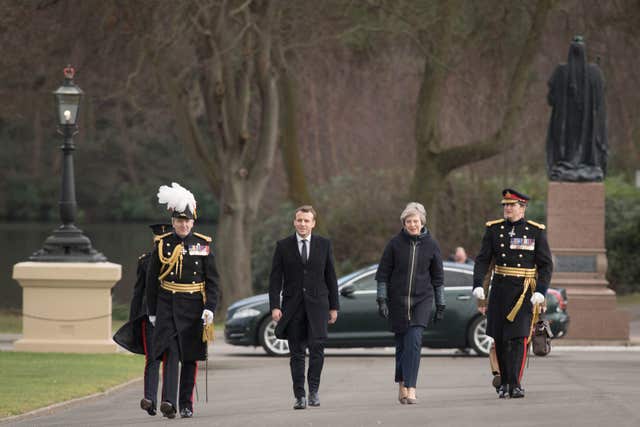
[478, 292]
[207, 316]
[537, 298]
[152, 319]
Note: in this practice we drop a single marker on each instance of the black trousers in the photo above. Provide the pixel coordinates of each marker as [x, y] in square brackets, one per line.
[151, 365]
[170, 374]
[299, 337]
[512, 356]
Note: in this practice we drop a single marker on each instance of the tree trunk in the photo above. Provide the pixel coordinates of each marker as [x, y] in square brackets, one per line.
[232, 248]
[427, 178]
[289, 144]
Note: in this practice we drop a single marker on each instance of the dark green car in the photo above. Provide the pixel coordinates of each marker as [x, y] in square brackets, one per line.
[249, 321]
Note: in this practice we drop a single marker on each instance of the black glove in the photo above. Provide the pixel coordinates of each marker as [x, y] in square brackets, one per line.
[439, 313]
[383, 310]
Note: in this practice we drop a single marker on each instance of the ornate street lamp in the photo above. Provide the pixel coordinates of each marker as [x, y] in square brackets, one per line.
[67, 243]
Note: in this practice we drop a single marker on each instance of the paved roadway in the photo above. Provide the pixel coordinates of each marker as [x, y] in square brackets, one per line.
[571, 387]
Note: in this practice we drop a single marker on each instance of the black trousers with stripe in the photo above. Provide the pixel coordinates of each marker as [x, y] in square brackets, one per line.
[512, 357]
[170, 374]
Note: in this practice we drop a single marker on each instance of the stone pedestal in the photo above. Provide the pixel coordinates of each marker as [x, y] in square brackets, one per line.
[66, 306]
[575, 228]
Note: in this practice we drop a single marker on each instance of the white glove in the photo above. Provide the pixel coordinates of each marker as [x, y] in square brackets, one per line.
[478, 292]
[537, 298]
[207, 316]
[152, 319]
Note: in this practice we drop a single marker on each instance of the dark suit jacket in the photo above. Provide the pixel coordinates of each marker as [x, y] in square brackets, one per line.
[313, 284]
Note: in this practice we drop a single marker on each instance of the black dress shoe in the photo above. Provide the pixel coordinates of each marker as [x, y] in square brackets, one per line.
[314, 399]
[148, 406]
[168, 410]
[301, 403]
[503, 391]
[186, 413]
[516, 392]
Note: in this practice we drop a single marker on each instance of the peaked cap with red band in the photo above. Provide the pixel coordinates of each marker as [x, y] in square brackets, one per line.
[512, 196]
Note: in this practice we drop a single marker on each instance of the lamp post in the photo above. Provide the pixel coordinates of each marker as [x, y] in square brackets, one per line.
[67, 243]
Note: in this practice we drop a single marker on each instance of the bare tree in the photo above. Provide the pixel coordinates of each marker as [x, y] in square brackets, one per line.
[439, 31]
[214, 60]
[434, 161]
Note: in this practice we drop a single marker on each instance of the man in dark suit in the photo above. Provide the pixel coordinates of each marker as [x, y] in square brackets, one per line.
[303, 271]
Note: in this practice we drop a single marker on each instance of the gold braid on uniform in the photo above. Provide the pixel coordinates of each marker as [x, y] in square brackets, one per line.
[529, 275]
[207, 329]
[169, 263]
[208, 332]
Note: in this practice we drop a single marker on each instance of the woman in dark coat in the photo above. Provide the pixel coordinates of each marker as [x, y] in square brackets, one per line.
[409, 277]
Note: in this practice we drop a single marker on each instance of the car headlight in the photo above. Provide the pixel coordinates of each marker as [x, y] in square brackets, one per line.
[245, 312]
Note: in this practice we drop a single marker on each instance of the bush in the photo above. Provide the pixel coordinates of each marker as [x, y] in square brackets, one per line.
[622, 235]
[272, 229]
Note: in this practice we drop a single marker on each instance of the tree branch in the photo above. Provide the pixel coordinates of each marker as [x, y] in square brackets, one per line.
[455, 157]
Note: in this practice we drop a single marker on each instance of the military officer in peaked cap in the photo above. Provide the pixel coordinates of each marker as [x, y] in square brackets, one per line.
[182, 292]
[516, 251]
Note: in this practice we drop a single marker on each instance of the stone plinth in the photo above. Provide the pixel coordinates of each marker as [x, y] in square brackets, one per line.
[575, 228]
[66, 306]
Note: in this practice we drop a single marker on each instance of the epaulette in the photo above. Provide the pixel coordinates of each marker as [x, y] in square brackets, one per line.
[496, 221]
[203, 236]
[537, 224]
[162, 236]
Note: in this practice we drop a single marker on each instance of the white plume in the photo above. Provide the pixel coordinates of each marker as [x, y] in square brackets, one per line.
[176, 197]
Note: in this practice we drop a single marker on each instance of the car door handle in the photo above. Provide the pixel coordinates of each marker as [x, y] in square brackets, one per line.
[463, 297]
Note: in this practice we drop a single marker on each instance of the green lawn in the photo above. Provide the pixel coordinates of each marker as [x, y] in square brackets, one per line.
[35, 380]
[631, 299]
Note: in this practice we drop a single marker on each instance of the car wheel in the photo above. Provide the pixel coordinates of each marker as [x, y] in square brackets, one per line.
[267, 338]
[477, 336]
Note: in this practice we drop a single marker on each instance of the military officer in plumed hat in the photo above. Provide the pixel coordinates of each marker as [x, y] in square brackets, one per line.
[517, 253]
[136, 335]
[182, 292]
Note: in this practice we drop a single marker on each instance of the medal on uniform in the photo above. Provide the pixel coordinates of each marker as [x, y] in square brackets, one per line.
[512, 232]
[199, 250]
[519, 243]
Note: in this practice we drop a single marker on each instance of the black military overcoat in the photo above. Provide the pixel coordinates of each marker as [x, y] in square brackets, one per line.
[180, 313]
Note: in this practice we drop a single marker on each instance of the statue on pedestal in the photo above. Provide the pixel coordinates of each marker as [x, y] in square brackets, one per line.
[577, 137]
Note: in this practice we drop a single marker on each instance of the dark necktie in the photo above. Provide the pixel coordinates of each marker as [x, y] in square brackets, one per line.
[303, 253]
